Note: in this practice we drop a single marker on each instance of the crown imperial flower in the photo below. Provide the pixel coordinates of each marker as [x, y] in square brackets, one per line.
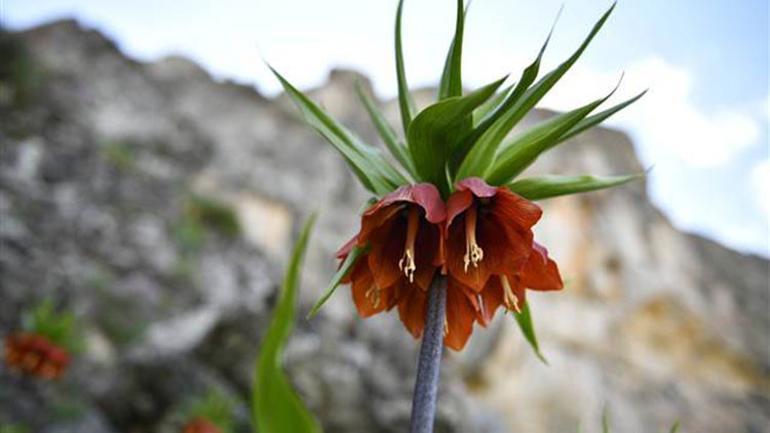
[454, 208]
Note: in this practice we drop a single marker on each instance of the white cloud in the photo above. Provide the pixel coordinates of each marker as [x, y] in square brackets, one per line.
[668, 119]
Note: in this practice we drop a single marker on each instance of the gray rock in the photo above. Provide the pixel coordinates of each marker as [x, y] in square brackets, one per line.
[105, 159]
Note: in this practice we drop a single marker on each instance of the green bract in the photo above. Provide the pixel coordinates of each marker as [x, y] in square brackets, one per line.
[466, 135]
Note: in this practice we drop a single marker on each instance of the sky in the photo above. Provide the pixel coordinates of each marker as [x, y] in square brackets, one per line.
[703, 126]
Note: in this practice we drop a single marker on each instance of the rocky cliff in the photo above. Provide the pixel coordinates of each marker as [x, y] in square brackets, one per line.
[159, 205]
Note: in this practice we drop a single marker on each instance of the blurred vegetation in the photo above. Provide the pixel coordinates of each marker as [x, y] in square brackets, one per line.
[215, 407]
[20, 77]
[276, 408]
[59, 327]
[120, 154]
[118, 316]
[202, 214]
[13, 428]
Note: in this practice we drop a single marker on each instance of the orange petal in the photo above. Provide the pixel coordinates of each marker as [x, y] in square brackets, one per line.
[387, 248]
[412, 307]
[460, 315]
[540, 272]
[491, 300]
[369, 299]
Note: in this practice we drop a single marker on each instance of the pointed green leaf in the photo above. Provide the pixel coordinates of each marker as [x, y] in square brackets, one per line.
[538, 188]
[451, 80]
[484, 149]
[347, 265]
[433, 135]
[374, 172]
[598, 118]
[522, 150]
[524, 319]
[605, 421]
[674, 428]
[276, 408]
[490, 105]
[387, 133]
[405, 102]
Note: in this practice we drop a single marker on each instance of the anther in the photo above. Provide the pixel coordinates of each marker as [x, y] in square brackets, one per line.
[407, 264]
[373, 295]
[473, 253]
[510, 300]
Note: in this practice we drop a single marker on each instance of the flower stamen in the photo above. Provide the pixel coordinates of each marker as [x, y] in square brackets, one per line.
[473, 253]
[373, 295]
[510, 300]
[406, 264]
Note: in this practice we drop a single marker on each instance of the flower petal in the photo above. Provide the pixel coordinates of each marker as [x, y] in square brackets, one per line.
[412, 307]
[515, 209]
[540, 272]
[460, 315]
[369, 298]
[499, 251]
[491, 300]
[425, 195]
[477, 186]
[387, 248]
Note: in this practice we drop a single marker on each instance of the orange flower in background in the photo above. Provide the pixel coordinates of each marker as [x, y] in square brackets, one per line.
[201, 425]
[35, 355]
[402, 237]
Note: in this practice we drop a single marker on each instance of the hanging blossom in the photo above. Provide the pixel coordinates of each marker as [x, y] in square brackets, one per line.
[44, 347]
[201, 425]
[450, 203]
[35, 355]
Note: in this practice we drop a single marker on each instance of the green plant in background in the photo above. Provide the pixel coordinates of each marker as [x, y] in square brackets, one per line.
[44, 346]
[13, 428]
[200, 214]
[59, 327]
[212, 413]
[213, 214]
[21, 78]
[275, 407]
[120, 154]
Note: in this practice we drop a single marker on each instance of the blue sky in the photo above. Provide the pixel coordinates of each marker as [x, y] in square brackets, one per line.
[704, 124]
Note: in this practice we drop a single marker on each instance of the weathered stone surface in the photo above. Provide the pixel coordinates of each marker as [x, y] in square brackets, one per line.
[107, 170]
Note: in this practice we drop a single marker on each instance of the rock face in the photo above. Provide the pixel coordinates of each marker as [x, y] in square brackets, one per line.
[160, 206]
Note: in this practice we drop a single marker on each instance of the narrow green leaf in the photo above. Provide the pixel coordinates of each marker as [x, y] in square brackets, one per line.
[674, 428]
[524, 319]
[433, 135]
[484, 149]
[347, 265]
[374, 172]
[538, 188]
[276, 408]
[490, 105]
[405, 102]
[598, 118]
[522, 150]
[605, 421]
[451, 80]
[387, 133]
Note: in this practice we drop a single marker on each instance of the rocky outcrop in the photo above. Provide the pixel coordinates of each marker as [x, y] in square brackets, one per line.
[160, 205]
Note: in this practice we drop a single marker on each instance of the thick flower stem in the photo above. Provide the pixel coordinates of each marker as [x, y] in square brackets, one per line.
[426, 385]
